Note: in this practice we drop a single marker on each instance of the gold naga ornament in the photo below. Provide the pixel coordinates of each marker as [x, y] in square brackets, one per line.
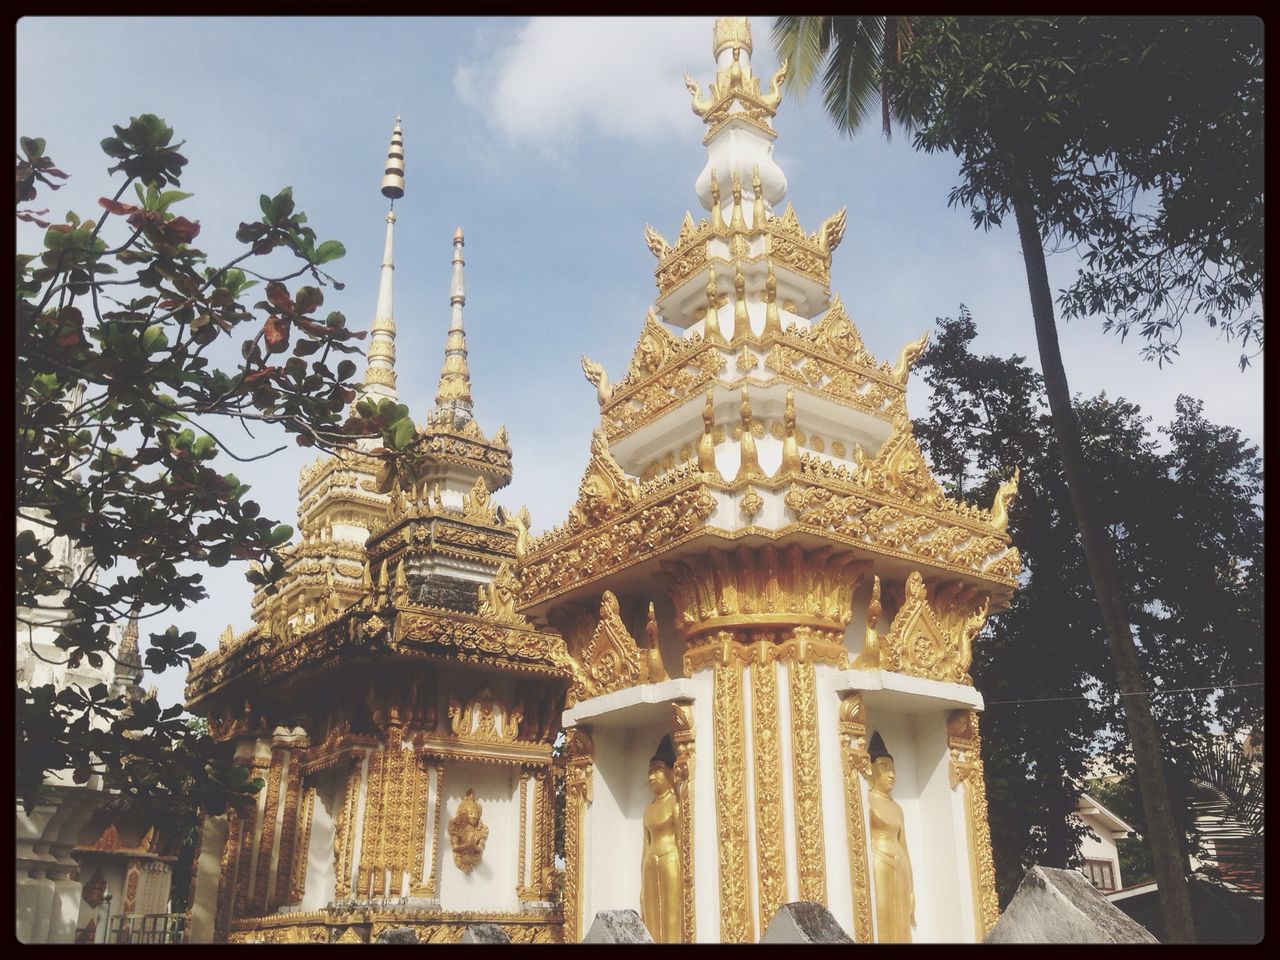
[891, 865]
[661, 883]
[467, 835]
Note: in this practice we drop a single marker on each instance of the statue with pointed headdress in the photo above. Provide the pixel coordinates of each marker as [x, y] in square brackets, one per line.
[891, 866]
[660, 858]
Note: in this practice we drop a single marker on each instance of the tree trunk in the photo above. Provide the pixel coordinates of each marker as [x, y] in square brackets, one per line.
[1166, 851]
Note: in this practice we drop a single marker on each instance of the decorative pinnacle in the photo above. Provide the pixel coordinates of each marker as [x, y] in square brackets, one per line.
[454, 391]
[393, 173]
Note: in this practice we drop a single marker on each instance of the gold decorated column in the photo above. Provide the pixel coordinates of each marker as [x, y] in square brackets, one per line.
[806, 780]
[770, 863]
[683, 739]
[579, 753]
[731, 792]
[965, 745]
[857, 762]
[288, 834]
[344, 838]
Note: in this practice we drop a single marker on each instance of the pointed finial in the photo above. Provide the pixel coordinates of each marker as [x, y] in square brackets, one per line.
[393, 173]
[732, 32]
[453, 395]
[707, 442]
[790, 449]
[772, 320]
[712, 324]
[749, 465]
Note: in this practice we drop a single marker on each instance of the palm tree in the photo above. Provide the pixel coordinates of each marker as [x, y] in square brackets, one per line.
[859, 54]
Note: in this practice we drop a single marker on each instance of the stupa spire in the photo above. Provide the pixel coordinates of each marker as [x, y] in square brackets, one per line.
[380, 374]
[454, 391]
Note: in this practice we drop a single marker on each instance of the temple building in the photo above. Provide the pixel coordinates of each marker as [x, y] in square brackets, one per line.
[748, 642]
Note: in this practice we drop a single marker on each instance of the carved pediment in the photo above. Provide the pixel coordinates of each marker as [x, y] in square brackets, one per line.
[899, 468]
[498, 600]
[605, 488]
[655, 346]
[935, 640]
[478, 505]
[837, 336]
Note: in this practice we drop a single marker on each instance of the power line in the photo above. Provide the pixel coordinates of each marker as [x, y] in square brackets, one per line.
[1216, 686]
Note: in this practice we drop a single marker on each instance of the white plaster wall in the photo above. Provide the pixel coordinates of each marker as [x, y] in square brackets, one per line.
[204, 898]
[614, 838]
[706, 844]
[491, 884]
[835, 828]
[1098, 844]
[919, 747]
[322, 878]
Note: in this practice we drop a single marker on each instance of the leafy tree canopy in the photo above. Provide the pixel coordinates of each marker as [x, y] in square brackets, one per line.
[126, 377]
[1183, 504]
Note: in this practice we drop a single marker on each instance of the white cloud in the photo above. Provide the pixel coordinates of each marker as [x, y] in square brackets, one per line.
[615, 77]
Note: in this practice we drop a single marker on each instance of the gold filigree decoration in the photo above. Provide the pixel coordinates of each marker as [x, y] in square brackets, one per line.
[731, 813]
[684, 740]
[856, 760]
[485, 718]
[934, 640]
[752, 503]
[578, 764]
[770, 862]
[478, 505]
[467, 835]
[765, 588]
[497, 599]
[605, 488]
[807, 782]
[965, 747]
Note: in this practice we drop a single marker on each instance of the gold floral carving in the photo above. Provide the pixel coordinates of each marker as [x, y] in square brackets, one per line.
[288, 834]
[437, 820]
[257, 771]
[965, 747]
[467, 834]
[807, 782]
[485, 718]
[578, 765]
[498, 599]
[344, 837]
[226, 875]
[522, 888]
[770, 863]
[934, 640]
[478, 505]
[856, 760]
[418, 837]
[613, 660]
[751, 503]
[684, 741]
[763, 588]
[731, 813]
[605, 489]
[298, 881]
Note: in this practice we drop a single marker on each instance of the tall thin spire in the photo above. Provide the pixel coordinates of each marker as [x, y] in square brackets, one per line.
[380, 374]
[454, 392]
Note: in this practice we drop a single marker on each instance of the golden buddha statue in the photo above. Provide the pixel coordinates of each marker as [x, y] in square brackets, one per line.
[660, 859]
[894, 891]
[467, 835]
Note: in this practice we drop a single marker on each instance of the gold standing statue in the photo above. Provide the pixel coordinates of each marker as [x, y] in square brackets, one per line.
[895, 893]
[660, 859]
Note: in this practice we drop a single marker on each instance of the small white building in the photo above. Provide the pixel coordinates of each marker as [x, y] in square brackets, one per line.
[1100, 857]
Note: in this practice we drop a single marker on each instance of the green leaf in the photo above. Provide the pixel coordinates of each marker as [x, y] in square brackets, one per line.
[330, 250]
[280, 535]
[404, 433]
[33, 148]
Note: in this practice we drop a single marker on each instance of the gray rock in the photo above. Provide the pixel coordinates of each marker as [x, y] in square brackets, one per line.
[804, 922]
[1061, 906]
[397, 935]
[617, 926]
[484, 933]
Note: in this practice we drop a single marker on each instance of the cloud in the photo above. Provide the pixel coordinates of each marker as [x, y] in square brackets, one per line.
[612, 77]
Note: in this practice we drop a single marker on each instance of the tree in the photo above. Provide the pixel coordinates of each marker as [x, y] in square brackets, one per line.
[1031, 106]
[120, 328]
[1183, 505]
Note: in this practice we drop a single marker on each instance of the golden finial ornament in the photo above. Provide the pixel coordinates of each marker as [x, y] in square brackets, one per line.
[1005, 496]
[717, 222]
[707, 442]
[711, 324]
[749, 465]
[772, 320]
[731, 32]
[741, 320]
[790, 448]
[869, 658]
[737, 224]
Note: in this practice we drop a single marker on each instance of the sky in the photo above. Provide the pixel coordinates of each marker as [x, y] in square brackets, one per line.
[551, 142]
